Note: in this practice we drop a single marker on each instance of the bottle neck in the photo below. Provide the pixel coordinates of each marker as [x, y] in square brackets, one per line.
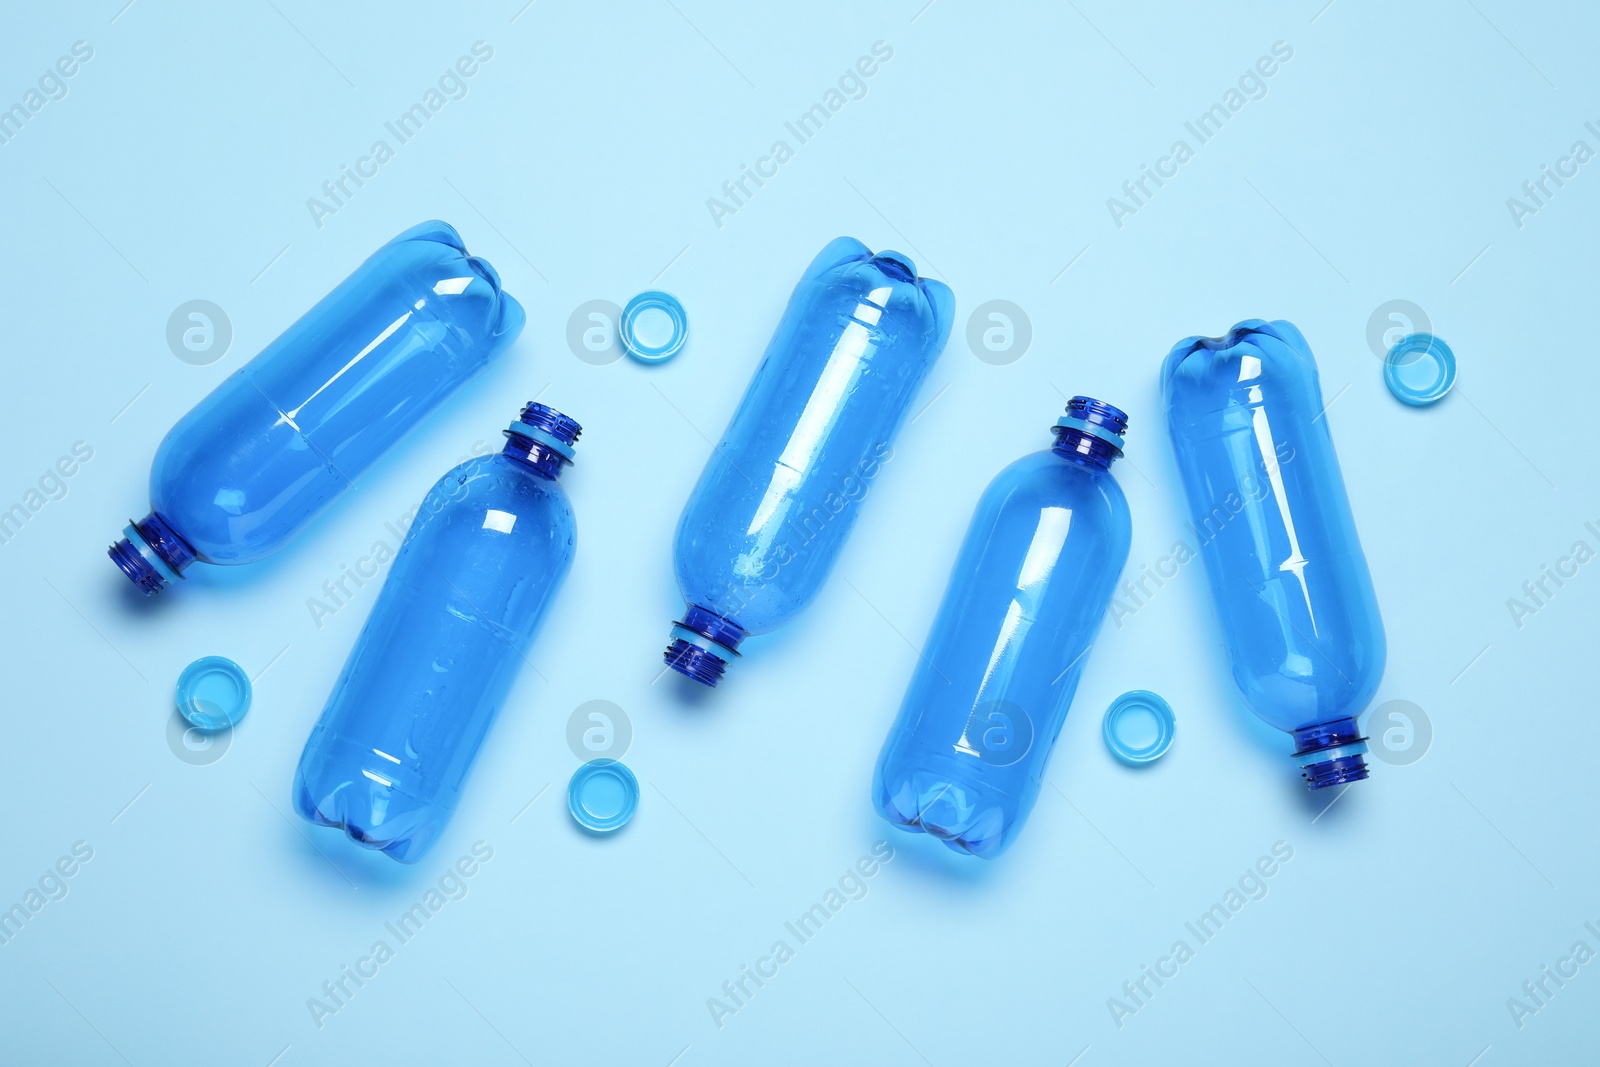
[541, 438]
[703, 644]
[1331, 753]
[540, 458]
[151, 554]
[722, 630]
[1084, 449]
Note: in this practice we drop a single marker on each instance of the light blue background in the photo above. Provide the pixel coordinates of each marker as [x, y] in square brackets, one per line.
[1377, 167]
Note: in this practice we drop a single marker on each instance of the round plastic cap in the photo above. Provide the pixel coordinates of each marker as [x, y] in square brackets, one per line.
[654, 326]
[603, 795]
[1139, 726]
[1420, 369]
[213, 693]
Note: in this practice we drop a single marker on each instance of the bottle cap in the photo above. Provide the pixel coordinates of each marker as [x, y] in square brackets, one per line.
[603, 795]
[1139, 726]
[642, 331]
[1420, 369]
[213, 693]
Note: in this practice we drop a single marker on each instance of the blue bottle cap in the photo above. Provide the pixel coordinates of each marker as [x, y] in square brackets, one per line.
[213, 693]
[603, 795]
[640, 317]
[1420, 369]
[1138, 727]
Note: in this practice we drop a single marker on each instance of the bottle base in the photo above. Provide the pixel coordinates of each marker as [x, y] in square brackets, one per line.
[401, 828]
[953, 814]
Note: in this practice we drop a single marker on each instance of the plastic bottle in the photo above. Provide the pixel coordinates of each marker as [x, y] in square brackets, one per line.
[1269, 513]
[781, 490]
[967, 753]
[451, 628]
[260, 457]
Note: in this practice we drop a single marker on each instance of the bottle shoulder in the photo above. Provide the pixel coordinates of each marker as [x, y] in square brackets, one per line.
[496, 492]
[1045, 479]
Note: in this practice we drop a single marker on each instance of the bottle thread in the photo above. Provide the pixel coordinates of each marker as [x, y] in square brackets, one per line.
[1090, 433]
[542, 437]
[1331, 753]
[151, 554]
[702, 645]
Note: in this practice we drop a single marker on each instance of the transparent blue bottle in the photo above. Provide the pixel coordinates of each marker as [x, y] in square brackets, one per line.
[1272, 521]
[967, 753]
[260, 457]
[489, 547]
[783, 487]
